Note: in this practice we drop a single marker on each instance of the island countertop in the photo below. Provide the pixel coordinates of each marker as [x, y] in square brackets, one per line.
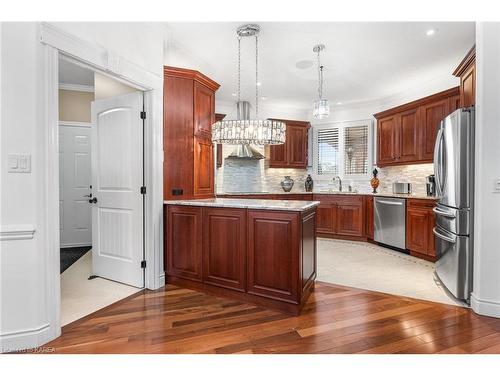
[255, 204]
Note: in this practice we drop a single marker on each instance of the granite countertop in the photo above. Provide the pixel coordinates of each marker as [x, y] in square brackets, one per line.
[335, 192]
[257, 204]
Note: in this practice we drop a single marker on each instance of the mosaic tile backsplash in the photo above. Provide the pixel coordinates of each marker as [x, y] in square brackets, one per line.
[237, 176]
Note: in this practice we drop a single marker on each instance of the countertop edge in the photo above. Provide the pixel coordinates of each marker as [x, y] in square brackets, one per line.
[252, 204]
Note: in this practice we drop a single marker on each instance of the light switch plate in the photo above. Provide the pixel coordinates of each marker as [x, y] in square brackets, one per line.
[19, 163]
[13, 163]
[25, 163]
[496, 188]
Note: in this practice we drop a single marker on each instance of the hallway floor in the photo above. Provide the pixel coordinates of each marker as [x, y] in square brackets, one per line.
[80, 296]
[372, 267]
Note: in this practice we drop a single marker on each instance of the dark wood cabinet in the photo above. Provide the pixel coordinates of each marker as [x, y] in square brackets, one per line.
[224, 247]
[218, 153]
[184, 242]
[466, 71]
[420, 221]
[406, 134]
[273, 254]
[369, 217]
[340, 215]
[265, 257]
[188, 115]
[293, 153]
[432, 115]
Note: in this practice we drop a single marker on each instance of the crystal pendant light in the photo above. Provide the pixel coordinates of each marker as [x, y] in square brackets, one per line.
[243, 130]
[321, 107]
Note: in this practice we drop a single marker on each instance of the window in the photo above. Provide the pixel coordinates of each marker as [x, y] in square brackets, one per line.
[343, 149]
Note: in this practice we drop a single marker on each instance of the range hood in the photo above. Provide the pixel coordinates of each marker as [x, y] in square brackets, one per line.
[246, 152]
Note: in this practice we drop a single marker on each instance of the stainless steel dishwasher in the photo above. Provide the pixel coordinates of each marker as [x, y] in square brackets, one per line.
[390, 221]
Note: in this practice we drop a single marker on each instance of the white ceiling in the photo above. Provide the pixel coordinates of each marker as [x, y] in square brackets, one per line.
[363, 61]
[74, 74]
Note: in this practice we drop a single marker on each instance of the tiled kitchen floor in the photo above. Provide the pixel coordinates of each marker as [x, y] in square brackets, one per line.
[372, 267]
[80, 296]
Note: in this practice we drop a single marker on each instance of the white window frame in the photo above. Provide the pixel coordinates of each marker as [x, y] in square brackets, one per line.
[342, 125]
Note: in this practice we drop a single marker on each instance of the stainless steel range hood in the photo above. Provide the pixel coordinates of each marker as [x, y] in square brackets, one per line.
[246, 152]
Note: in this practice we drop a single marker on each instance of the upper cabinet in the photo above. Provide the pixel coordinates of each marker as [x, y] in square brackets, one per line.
[466, 71]
[188, 115]
[293, 153]
[406, 134]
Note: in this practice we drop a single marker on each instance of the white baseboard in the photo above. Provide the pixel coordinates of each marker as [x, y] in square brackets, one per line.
[26, 338]
[485, 307]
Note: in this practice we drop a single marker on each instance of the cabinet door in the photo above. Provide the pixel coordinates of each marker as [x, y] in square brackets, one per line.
[204, 117]
[417, 230]
[325, 218]
[431, 250]
[296, 140]
[184, 241]
[431, 116]
[203, 168]
[408, 136]
[369, 218]
[273, 254]
[386, 140]
[278, 156]
[454, 103]
[468, 87]
[350, 218]
[224, 247]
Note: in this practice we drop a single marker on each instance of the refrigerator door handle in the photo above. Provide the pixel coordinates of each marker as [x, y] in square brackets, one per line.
[443, 237]
[443, 213]
[437, 161]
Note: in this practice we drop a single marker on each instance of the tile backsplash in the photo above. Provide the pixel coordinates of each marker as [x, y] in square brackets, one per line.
[237, 175]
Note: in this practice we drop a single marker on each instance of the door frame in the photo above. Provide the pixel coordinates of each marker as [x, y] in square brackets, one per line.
[56, 42]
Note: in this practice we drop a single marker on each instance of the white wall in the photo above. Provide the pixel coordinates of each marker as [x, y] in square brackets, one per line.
[24, 289]
[486, 289]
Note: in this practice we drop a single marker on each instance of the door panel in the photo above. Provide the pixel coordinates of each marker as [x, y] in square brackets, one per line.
[409, 136]
[350, 219]
[184, 245]
[369, 217]
[74, 184]
[432, 115]
[273, 254]
[117, 176]
[203, 168]
[325, 218]
[417, 233]
[386, 140]
[297, 146]
[468, 87]
[224, 249]
[278, 156]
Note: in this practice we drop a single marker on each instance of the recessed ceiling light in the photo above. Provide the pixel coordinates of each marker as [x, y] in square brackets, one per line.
[339, 103]
[259, 84]
[304, 64]
[233, 94]
[263, 97]
[430, 32]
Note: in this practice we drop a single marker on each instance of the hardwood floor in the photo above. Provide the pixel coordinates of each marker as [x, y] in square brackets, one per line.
[335, 319]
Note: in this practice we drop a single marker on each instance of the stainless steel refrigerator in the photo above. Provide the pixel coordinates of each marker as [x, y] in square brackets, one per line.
[454, 174]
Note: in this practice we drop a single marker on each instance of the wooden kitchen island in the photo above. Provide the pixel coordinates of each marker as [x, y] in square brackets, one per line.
[255, 250]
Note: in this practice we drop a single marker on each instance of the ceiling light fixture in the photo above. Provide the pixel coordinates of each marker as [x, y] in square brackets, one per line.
[430, 32]
[243, 130]
[321, 107]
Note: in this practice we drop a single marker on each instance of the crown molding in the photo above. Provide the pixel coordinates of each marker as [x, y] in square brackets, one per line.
[76, 87]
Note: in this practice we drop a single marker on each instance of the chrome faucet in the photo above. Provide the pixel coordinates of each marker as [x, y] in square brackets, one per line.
[340, 182]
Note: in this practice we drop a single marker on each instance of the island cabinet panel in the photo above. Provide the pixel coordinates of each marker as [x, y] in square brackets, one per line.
[308, 258]
[184, 242]
[224, 247]
[273, 254]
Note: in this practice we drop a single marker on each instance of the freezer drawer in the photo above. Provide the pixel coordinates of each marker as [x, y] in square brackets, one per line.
[453, 220]
[390, 221]
[454, 267]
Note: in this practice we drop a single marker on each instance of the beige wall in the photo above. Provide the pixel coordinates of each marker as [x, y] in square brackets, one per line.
[75, 105]
[106, 87]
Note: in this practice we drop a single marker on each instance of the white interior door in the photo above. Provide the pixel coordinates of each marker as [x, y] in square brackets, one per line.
[117, 177]
[74, 184]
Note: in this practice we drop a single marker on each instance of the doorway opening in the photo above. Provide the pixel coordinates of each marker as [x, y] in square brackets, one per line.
[101, 197]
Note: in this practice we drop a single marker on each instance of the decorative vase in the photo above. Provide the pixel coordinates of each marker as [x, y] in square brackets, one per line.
[287, 184]
[374, 182]
[309, 183]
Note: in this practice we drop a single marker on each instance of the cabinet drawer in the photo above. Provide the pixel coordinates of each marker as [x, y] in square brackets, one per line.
[420, 203]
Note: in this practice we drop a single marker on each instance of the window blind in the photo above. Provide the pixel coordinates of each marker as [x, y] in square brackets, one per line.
[328, 151]
[356, 150]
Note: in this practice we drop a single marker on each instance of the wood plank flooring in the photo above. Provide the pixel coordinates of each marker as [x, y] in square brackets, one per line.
[336, 319]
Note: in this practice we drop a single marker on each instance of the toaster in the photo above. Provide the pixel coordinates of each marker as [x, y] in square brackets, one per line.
[401, 188]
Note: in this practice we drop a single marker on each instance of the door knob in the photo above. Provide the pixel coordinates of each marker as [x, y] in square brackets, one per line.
[93, 200]
[88, 195]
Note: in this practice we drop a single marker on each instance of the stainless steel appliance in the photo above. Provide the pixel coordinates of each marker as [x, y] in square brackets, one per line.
[430, 185]
[390, 221]
[454, 175]
[401, 187]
